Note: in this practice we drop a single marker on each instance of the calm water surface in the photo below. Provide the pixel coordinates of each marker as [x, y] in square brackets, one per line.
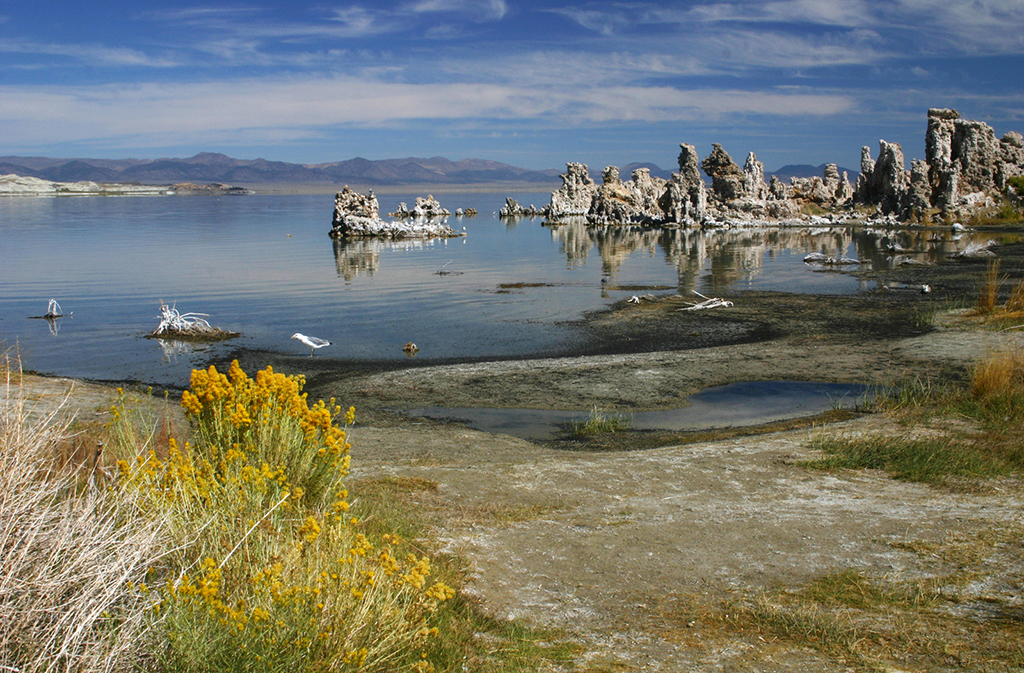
[263, 265]
[739, 404]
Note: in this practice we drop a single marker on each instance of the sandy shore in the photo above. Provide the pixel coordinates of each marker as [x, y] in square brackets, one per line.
[615, 545]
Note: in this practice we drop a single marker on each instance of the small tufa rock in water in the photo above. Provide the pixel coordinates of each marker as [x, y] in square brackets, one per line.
[193, 326]
[358, 216]
[426, 208]
[410, 349]
[822, 258]
[974, 250]
[53, 312]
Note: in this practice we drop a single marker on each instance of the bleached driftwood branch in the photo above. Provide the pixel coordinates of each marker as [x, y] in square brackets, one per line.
[172, 322]
[828, 260]
[53, 310]
[709, 302]
[188, 326]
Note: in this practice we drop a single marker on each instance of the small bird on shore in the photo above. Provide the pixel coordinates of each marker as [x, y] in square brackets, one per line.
[313, 342]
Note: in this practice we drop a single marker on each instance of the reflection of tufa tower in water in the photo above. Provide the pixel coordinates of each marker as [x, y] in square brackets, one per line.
[359, 256]
[723, 256]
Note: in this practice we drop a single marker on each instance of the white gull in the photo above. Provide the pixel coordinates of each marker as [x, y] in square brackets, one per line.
[311, 341]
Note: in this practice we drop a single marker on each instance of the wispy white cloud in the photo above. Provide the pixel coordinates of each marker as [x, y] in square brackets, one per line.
[480, 10]
[836, 13]
[599, 20]
[294, 107]
[93, 55]
[575, 69]
[351, 21]
[988, 26]
[991, 26]
[739, 48]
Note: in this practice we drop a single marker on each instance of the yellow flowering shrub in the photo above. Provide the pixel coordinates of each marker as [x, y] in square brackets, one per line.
[270, 573]
[269, 420]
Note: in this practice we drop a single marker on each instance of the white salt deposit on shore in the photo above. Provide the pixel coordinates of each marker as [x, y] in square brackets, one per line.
[17, 185]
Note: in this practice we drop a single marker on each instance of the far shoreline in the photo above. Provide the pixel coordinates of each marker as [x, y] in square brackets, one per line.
[331, 189]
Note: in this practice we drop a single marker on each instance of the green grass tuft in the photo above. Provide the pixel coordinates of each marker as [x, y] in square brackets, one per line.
[600, 423]
[923, 460]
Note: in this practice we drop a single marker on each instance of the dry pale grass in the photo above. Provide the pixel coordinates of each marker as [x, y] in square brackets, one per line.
[989, 294]
[998, 373]
[1015, 304]
[68, 555]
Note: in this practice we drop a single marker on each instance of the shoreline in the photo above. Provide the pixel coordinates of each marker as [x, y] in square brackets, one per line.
[629, 544]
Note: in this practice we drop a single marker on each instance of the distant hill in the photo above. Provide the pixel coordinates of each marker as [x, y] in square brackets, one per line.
[207, 167]
[626, 172]
[784, 173]
[807, 171]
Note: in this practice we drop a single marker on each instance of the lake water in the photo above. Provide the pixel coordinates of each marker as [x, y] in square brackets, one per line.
[264, 266]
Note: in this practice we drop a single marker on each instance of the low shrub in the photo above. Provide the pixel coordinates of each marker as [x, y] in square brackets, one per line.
[268, 571]
[989, 294]
[1017, 183]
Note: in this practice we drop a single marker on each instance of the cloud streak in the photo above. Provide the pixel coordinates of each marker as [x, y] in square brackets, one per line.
[563, 69]
[77, 114]
[990, 26]
[89, 54]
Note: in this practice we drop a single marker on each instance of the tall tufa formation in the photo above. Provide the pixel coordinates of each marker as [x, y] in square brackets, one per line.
[575, 194]
[965, 159]
[632, 202]
[883, 182]
[966, 168]
[685, 199]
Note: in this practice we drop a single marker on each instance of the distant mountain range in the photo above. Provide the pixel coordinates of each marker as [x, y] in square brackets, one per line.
[207, 167]
[807, 171]
[784, 173]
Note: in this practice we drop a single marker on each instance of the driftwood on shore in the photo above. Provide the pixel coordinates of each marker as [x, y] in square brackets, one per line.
[709, 302]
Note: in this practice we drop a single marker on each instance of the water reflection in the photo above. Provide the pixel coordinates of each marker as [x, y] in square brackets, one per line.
[738, 255]
[172, 349]
[361, 256]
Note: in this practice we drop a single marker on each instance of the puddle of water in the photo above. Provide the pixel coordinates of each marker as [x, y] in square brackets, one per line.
[734, 405]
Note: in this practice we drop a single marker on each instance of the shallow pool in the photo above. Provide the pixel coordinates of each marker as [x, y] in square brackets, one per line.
[734, 405]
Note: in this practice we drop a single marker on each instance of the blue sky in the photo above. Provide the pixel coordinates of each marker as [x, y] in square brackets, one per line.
[535, 84]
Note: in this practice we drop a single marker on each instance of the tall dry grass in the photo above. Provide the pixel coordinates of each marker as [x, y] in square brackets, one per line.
[1016, 301]
[989, 294]
[999, 373]
[68, 553]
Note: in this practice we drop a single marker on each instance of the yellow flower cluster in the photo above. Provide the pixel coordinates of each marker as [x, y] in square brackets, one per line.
[259, 487]
[268, 421]
[203, 593]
